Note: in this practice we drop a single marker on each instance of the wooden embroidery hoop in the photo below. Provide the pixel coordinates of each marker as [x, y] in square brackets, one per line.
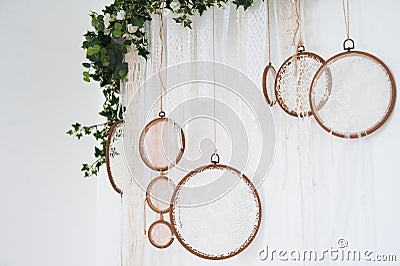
[348, 46]
[142, 152]
[175, 209]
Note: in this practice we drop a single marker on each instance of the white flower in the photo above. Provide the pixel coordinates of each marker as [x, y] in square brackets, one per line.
[107, 19]
[121, 15]
[131, 28]
[174, 5]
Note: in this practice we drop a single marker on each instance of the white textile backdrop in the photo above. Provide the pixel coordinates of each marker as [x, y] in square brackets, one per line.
[320, 188]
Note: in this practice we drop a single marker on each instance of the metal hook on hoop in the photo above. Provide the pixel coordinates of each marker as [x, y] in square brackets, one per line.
[348, 44]
[301, 49]
[214, 158]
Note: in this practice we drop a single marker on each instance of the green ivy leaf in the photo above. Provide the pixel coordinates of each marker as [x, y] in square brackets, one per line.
[85, 167]
[139, 22]
[76, 126]
[97, 152]
[96, 48]
[118, 26]
[97, 22]
[105, 61]
[89, 51]
[245, 3]
[117, 33]
[86, 65]
[128, 42]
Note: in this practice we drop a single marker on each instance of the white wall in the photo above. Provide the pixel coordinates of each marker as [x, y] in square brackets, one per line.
[47, 209]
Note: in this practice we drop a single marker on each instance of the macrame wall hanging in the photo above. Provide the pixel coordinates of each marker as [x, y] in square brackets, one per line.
[122, 181]
[161, 147]
[361, 93]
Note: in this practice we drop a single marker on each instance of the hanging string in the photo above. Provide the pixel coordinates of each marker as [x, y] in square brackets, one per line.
[215, 91]
[161, 34]
[299, 29]
[300, 152]
[346, 14]
[269, 33]
[300, 47]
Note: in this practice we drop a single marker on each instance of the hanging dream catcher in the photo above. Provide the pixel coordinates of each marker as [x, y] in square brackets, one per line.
[210, 225]
[215, 209]
[362, 94]
[161, 147]
[294, 77]
[269, 74]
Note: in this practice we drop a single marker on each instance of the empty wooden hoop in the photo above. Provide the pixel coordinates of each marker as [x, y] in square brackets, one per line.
[268, 98]
[150, 234]
[109, 172]
[141, 144]
[160, 178]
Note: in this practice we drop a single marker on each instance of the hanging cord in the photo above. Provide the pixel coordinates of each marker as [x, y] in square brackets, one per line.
[269, 32]
[300, 48]
[300, 151]
[346, 15]
[286, 139]
[213, 58]
[214, 156]
[299, 30]
[348, 44]
[162, 87]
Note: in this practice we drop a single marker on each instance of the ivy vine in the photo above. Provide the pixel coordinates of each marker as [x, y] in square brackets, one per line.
[118, 27]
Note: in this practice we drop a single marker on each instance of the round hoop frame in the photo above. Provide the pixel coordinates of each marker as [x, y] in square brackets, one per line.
[267, 69]
[174, 222]
[390, 108]
[141, 142]
[148, 194]
[109, 172]
[149, 235]
[279, 99]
